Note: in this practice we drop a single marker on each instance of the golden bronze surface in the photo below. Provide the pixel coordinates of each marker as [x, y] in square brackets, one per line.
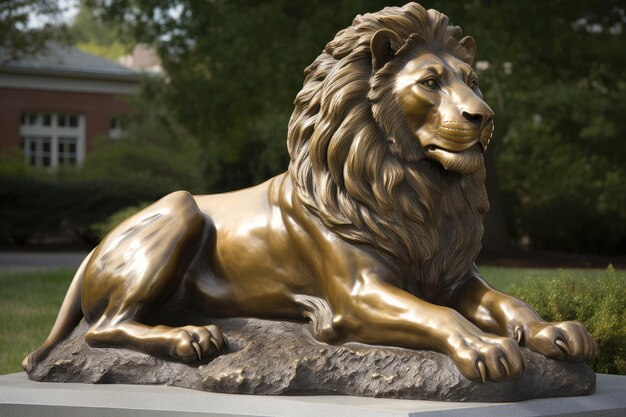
[371, 235]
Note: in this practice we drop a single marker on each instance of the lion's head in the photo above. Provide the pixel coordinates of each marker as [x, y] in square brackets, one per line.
[386, 143]
[436, 91]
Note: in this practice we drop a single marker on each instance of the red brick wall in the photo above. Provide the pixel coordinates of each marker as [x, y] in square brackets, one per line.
[97, 108]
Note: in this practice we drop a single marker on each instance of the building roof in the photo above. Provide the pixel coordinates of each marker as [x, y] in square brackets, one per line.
[67, 61]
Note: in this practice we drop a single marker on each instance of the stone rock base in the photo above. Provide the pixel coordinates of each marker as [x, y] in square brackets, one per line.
[273, 358]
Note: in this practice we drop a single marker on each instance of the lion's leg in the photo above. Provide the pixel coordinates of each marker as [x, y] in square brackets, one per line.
[139, 266]
[379, 313]
[499, 313]
[189, 343]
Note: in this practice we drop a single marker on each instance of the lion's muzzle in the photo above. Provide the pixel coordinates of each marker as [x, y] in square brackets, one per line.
[481, 118]
[462, 133]
[457, 136]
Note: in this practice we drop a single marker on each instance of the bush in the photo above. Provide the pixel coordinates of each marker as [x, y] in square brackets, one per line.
[43, 207]
[599, 304]
[153, 145]
[147, 151]
[12, 164]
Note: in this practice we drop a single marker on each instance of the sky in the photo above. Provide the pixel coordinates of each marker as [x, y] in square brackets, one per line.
[69, 9]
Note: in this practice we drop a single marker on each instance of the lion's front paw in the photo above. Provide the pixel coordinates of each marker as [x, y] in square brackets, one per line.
[564, 340]
[479, 355]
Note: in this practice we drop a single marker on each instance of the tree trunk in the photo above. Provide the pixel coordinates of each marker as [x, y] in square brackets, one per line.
[496, 238]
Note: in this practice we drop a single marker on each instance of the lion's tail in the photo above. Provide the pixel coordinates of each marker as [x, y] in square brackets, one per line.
[68, 318]
[320, 315]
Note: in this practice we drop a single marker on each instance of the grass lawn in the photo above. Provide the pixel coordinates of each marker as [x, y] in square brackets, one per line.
[504, 278]
[30, 301]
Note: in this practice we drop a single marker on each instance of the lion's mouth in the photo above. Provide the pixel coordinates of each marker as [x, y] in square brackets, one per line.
[460, 137]
[457, 146]
[466, 161]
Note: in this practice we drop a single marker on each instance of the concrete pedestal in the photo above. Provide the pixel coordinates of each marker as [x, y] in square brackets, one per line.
[20, 397]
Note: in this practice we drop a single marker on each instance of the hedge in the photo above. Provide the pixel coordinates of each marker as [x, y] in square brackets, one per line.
[40, 207]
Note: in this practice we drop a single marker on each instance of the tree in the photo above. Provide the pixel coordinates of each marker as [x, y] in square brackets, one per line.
[235, 66]
[94, 36]
[234, 69]
[153, 148]
[26, 26]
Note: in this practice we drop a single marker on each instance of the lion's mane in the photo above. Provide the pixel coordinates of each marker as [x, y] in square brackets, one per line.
[355, 166]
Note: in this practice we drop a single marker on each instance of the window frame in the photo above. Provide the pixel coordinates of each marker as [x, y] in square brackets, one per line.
[34, 128]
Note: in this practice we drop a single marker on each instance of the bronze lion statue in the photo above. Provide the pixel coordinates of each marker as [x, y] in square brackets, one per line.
[371, 234]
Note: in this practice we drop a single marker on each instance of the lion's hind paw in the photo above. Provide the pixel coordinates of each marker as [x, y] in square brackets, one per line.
[194, 343]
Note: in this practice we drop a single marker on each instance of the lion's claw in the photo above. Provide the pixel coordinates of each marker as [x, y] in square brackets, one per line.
[482, 370]
[505, 365]
[193, 343]
[563, 346]
[196, 347]
[214, 343]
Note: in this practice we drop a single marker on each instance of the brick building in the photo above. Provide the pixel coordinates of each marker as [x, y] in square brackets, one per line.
[55, 104]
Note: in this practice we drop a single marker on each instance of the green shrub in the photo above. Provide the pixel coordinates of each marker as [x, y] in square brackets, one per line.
[12, 164]
[153, 145]
[599, 304]
[43, 207]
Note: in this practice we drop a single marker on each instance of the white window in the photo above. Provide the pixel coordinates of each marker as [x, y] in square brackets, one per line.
[116, 128]
[67, 150]
[36, 119]
[53, 139]
[38, 150]
[67, 120]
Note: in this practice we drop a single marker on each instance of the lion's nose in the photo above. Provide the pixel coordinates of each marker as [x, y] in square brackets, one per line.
[480, 120]
[475, 118]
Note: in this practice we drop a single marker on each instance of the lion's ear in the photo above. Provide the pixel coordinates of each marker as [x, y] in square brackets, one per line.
[382, 47]
[470, 46]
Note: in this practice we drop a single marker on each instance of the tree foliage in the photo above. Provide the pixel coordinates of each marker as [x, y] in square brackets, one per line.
[235, 68]
[551, 70]
[26, 26]
[94, 36]
[153, 147]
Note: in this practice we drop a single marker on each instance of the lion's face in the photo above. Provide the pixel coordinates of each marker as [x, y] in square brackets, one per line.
[444, 110]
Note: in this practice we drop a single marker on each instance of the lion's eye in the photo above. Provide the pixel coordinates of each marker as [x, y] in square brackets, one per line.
[473, 84]
[431, 83]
